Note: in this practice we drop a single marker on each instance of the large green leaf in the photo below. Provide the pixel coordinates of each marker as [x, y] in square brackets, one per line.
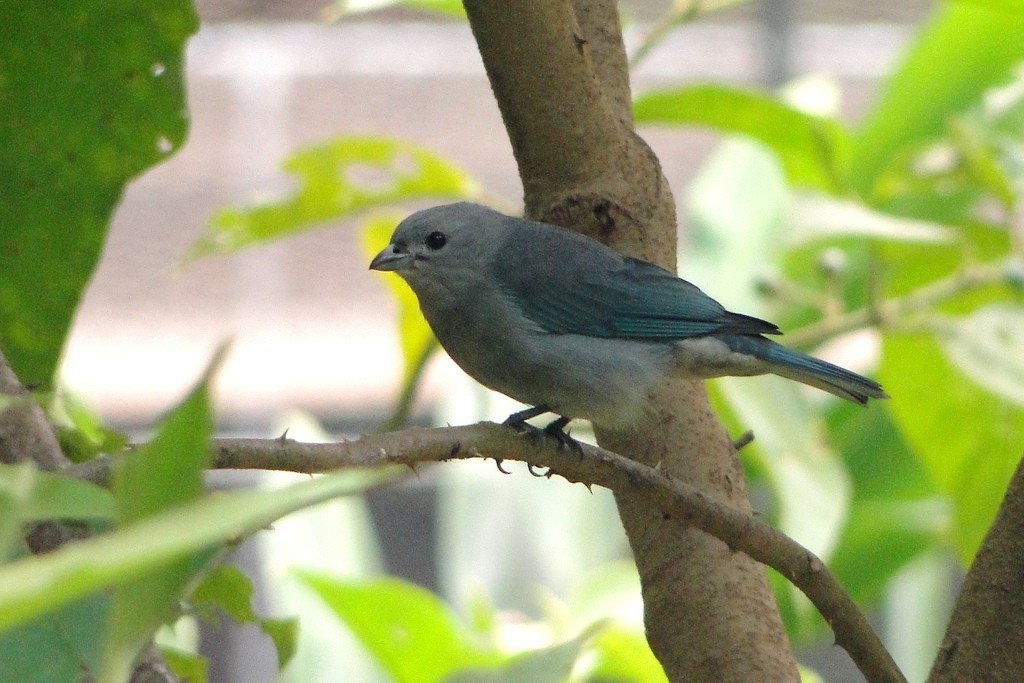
[963, 51]
[545, 665]
[338, 179]
[411, 633]
[36, 584]
[62, 646]
[163, 474]
[968, 439]
[810, 148]
[91, 94]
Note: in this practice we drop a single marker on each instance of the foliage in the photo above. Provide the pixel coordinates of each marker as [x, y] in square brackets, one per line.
[90, 96]
[900, 225]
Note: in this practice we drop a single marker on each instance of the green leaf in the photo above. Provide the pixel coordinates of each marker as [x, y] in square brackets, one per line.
[63, 646]
[91, 94]
[412, 634]
[28, 495]
[967, 438]
[80, 430]
[337, 180]
[624, 655]
[49, 495]
[34, 585]
[228, 589]
[284, 633]
[417, 340]
[964, 50]
[450, 8]
[988, 347]
[190, 668]
[546, 665]
[163, 474]
[1012, 6]
[810, 148]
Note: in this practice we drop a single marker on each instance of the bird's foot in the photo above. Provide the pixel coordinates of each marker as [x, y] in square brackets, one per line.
[517, 421]
[555, 429]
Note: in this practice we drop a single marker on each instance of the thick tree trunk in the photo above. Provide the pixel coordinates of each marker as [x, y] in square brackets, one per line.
[560, 77]
[985, 634]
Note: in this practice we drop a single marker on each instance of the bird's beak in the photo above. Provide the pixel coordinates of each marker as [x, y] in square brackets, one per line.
[391, 259]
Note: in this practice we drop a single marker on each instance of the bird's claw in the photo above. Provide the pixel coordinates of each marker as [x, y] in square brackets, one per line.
[557, 430]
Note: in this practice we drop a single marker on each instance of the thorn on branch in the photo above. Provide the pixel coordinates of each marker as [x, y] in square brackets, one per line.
[283, 439]
[497, 462]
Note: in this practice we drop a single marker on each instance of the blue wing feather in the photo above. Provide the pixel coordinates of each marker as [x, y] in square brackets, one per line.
[599, 293]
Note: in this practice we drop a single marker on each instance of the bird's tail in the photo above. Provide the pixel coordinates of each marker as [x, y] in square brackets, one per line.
[806, 369]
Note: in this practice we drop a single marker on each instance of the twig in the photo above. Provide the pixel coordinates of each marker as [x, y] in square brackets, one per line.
[681, 12]
[883, 313]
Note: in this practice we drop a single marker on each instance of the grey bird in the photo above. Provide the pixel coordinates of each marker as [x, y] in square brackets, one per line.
[566, 325]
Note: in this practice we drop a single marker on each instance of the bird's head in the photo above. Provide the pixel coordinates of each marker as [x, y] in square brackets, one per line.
[443, 245]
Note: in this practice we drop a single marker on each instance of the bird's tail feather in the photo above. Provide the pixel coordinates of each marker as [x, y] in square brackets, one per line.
[809, 370]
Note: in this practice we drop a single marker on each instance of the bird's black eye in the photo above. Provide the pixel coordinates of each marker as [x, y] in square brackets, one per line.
[436, 240]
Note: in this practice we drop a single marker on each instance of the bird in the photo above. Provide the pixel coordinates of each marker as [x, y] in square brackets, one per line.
[566, 325]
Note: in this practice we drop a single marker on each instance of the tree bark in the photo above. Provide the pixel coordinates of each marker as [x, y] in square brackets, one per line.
[559, 74]
[985, 637]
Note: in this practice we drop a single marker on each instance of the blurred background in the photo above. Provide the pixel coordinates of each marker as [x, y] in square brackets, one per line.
[314, 338]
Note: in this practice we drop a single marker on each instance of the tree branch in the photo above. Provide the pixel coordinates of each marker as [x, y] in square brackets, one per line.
[675, 499]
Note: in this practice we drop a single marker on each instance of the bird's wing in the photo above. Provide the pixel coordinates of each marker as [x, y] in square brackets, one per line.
[622, 298]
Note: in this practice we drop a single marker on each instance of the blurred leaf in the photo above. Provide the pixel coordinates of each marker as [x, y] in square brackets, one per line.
[412, 634]
[50, 495]
[815, 216]
[284, 633]
[417, 341]
[228, 589]
[968, 439]
[161, 475]
[810, 148]
[39, 583]
[337, 180]
[190, 668]
[63, 646]
[881, 536]
[964, 50]
[811, 487]
[982, 161]
[547, 665]
[1012, 6]
[624, 655]
[91, 94]
[80, 430]
[451, 8]
[988, 347]
[731, 236]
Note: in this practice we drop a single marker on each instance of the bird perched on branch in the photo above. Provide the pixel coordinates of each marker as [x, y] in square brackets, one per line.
[566, 325]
